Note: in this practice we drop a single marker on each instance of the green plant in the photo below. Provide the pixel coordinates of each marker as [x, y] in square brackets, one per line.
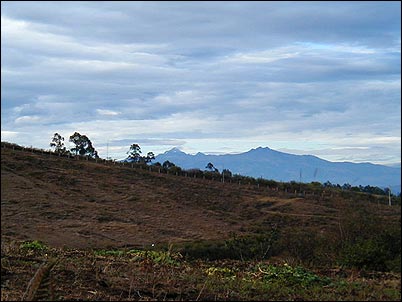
[251, 247]
[288, 275]
[109, 253]
[34, 245]
[256, 247]
[158, 257]
[221, 272]
[207, 250]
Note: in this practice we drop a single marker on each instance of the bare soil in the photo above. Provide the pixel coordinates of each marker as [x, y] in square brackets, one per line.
[79, 207]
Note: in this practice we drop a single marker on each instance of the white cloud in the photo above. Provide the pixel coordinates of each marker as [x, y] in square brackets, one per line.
[8, 135]
[107, 112]
[27, 119]
[266, 56]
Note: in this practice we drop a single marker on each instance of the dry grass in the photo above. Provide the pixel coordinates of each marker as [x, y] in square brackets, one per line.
[77, 206]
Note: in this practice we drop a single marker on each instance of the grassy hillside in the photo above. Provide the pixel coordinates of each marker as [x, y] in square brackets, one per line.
[206, 239]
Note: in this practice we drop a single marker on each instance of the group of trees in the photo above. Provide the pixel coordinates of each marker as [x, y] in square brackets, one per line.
[82, 145]
[366, 189]
[134, 155]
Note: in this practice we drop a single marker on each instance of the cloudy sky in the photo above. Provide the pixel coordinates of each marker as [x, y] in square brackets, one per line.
[321, 78]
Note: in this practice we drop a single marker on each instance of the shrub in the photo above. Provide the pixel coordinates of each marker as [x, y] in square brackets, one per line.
[289, 276]
[34, 245]
[382, 252]
[157, 257]
[207, 250]
[253, 247]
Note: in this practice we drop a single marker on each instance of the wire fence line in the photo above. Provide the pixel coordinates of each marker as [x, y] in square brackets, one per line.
[284, 189]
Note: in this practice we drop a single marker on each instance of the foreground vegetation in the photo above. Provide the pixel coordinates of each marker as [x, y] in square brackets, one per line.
[168, 275]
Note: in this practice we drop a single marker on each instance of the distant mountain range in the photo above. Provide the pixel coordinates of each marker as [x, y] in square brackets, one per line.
[280, 166]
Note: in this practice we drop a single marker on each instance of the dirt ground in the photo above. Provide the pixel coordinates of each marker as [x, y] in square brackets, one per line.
[81, 204]
[77, 208]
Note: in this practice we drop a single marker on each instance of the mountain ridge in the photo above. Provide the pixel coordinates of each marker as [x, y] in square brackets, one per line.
[268, 163]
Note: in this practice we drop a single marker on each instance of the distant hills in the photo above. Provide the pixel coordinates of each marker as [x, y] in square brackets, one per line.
[280, 166]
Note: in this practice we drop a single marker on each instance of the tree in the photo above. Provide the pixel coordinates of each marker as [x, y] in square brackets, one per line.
[134, 153]
[167, 165]
[150, 156]
[58, 144]
[83, 145]
[211, 167]
[226, 173]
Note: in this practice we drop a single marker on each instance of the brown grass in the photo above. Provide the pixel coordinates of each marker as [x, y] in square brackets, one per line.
[75, 206]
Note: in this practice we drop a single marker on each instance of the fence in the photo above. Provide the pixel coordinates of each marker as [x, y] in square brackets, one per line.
[286, 190]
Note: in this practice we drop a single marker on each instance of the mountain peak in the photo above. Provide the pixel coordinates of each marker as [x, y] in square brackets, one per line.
[271, 164]
[260, 149]
[174, 150]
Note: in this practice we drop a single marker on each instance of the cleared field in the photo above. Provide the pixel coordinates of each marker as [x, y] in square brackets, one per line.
[91, 215]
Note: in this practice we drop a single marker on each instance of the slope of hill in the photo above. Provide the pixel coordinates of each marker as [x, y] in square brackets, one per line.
[94, 216]
[87, 204]
[280, 166]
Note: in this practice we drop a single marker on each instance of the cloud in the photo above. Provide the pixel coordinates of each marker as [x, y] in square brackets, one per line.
[210, 76]
[107, 112]
[8, 135]
[27, 119]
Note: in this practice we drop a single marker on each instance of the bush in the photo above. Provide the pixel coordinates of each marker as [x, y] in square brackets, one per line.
[253, 247]
[207, 250]
[289, 276]
[382, 252]
[365, 254]
[34, 245]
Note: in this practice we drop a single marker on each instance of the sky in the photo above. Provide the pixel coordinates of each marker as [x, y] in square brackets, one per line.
[320, 78]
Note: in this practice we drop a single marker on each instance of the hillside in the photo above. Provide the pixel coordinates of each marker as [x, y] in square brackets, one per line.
[271, 164]
[90, 204]
[89, 214]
